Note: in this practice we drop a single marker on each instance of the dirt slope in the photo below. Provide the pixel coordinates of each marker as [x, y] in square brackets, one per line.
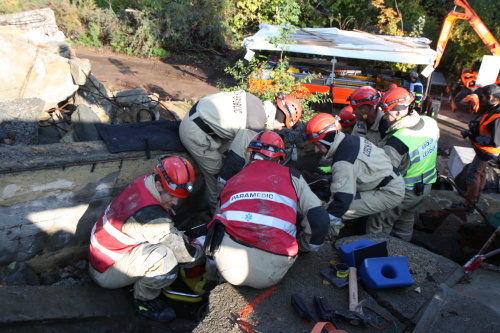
[178, 78]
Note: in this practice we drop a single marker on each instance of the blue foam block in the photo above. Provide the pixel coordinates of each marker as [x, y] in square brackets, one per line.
[385, 272]
[347, 250]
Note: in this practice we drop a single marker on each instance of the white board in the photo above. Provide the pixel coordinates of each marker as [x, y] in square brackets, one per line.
[488, 72]
[346, 44]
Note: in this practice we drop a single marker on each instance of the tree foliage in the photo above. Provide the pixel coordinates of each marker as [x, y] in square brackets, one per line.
[153, 27]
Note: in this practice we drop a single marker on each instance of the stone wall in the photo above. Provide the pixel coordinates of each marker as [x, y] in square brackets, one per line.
[51, 196]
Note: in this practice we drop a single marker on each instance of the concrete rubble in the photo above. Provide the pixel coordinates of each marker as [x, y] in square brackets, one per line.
[43, 82]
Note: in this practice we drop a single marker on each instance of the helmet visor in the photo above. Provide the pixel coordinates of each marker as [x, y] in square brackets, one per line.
[363, 100]
[386, 105]
[347, 122]
[259, 145]
[318, 134]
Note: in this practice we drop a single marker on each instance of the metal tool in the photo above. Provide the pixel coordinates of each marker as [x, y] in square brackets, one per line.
[317, 181]
[354, 315]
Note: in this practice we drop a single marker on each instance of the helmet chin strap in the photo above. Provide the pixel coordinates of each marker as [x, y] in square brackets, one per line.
[326, 143]
[393, 116]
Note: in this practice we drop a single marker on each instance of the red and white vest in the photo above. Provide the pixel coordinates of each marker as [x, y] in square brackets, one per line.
[259, 208]
[107, 242]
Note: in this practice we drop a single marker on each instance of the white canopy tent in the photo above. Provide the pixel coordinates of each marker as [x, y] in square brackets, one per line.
[346, 44]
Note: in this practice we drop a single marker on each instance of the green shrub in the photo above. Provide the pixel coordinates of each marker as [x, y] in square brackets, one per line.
[249, 77]
[91, 37]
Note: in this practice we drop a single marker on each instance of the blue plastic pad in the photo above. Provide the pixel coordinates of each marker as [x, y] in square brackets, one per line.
[385, 272]
[347, 250]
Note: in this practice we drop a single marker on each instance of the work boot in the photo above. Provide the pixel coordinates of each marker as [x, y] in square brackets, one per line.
[155, 309]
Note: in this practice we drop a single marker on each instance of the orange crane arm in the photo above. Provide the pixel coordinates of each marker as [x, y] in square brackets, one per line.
[477, 24]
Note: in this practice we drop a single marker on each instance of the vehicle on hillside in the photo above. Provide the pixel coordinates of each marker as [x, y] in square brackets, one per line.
[336, 52]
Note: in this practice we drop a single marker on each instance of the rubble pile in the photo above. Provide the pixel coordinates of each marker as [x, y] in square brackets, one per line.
[48, 95]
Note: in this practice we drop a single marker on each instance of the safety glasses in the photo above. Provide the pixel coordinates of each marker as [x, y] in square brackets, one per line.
[318, 134]
[188, 186]
[386, 105]
[359, 101]
[259, 145]
[347, 122]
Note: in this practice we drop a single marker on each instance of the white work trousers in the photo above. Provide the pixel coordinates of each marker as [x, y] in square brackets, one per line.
[149, 267]
[242, 265]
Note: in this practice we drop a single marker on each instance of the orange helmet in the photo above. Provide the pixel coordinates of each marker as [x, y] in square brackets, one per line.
[468, 77]
[347, 117]
[321, 124]
[396, 99]
[392, 85]
[291, 107]
[269, 144]
[364, 95]
[177, 175]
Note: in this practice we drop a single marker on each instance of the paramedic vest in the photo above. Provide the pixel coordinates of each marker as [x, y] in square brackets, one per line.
[422, 151]
[484, 132]
[259, 208]
[107, 242]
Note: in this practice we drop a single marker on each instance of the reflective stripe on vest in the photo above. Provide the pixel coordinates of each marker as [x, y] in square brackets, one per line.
[260, 219]
[114, 233]
[484, 132]
[259, 208]
[422, 152]
[108, 243]
[260, 195]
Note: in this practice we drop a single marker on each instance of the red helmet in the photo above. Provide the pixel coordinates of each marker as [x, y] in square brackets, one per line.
[392, 85]
[396, 99]
[269, 144]
[321, 124]
[364, 95]
[177, 175]
[291, 107]
[347, 117]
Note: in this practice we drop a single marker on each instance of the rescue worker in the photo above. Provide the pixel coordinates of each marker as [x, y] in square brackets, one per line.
[347, 119]
[364, 101]
[219, 127]
[255, 237]
[485, 137]
[417, 89]
[364, 182]
[411, 144]
[135, 241]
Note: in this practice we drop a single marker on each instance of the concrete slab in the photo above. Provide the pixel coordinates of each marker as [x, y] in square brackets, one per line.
[37, 303]
[450, 311]
[427, 269]
[233, 308]
[480, 288]
[76, 309]
[236, 309]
